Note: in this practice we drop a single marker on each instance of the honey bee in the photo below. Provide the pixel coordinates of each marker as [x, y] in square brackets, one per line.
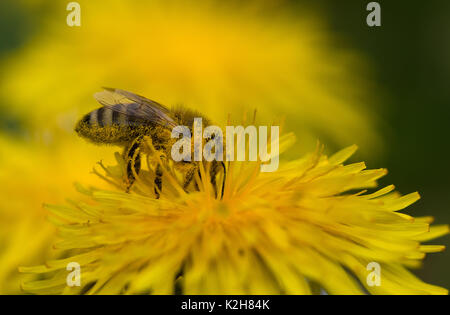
[126, 118]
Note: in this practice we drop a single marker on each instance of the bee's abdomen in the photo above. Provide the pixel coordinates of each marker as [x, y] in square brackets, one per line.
[104, 125]
[104, 117]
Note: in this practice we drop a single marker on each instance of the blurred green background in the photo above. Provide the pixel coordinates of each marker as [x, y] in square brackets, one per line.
[410, 54]
[409, 57]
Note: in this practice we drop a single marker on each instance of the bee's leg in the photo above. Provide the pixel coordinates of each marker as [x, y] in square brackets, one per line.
[212, 175]
[199, 176]
[158, 180]
[224, 177]
[133, 161]
[190, 176]
[159, 171]
[215, 166]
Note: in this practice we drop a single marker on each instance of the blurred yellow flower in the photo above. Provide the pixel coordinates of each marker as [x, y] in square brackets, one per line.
[215, 57]
[286, 232]
[32, 173]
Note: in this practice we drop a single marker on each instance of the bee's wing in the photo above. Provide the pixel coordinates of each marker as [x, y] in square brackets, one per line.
[135, 106]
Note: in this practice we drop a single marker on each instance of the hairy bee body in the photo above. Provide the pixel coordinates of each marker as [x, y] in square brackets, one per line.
[103, 126]
[127, 118]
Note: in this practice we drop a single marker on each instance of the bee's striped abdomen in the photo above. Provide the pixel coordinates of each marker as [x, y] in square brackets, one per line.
[101, 117]
[104, 117]
[106, 125]
[119, 118]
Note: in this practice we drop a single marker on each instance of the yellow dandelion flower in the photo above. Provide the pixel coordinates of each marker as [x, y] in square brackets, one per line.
[303, 227]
